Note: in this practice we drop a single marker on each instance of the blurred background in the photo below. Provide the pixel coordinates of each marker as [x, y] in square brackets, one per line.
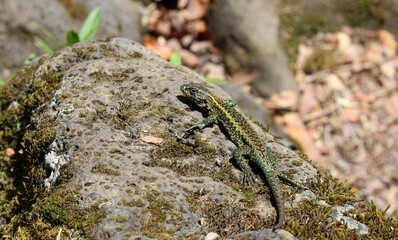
[321, 74]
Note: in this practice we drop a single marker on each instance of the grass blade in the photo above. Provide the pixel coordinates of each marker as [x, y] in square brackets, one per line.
[48, 35]
[215, 80]
[87, 31]
[43, 44]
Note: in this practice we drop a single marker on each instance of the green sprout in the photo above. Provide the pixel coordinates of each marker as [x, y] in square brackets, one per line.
[176, 59]
[87, 32]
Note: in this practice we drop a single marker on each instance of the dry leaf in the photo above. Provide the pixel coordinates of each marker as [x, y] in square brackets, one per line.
[334, 82]
[389, 41]
[152, 139]
[295, 129]
[196, 9]
[10, 152]
[163, 27]
[202, 46]
[177, 21]
[352, 114]
[307, 102]
[196, 27]
[284, 100]
[374, 52]
[304, 53]
[243, 77]
[189, 58]
[182, 3]
[187, 40]
[152, 43]
[343, 40]
[153, 18]
[391, 105]
[174, 44]
[388, 69]
[212, 70]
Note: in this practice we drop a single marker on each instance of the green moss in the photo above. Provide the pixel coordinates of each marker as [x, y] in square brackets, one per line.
[132, 203]
[228, 219]
[120, 228]
[380, 226]
[321, 59]
[136, 55]
[297, 163]
[104, 169]
[57, 208]
[298, 25]
[26, 124]
[310, 24]
[159, 210]
[148, 179]
[121, 218]
[231, 64]
[138, 79]
[62, 207]
[360, 13]
[333, 191]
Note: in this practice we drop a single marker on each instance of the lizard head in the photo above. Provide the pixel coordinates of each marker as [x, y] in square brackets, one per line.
[197, 93]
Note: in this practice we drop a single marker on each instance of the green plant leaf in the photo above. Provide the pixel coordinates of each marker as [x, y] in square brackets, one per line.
[29, 58]
[175, 58]
[2, 82]
[215, 80]
[72, 37]
[48, 35]
[43, 44]
[87, 31]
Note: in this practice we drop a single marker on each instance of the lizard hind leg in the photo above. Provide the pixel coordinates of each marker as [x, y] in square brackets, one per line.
[248, 175]
[282, 176]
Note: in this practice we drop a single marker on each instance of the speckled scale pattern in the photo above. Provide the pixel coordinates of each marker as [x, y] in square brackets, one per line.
[243, 135]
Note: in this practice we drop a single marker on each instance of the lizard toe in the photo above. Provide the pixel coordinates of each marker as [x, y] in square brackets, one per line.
[247, 178]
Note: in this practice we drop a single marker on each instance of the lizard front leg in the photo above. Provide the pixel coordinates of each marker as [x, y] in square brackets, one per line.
[205, 122]
[247, 176]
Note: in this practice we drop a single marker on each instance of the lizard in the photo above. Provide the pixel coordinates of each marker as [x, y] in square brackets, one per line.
[243, 135]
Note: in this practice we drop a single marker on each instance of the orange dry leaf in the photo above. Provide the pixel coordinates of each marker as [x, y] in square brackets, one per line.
[212, 70]
[196, 9]
[391, 105]
[189, 58]
[182, 3]
[284, 100]
[152, 43]
[308, 101]
[352, 114]
[389, 41]
[10, 152]
[243, 77]
[152, 139]
[197, 27]
[295, 129]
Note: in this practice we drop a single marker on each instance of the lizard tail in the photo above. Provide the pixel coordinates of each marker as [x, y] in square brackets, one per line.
[275, 185]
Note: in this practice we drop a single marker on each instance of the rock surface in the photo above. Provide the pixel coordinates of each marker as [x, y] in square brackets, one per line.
[110, 94]
[118, 18]
[252, 40]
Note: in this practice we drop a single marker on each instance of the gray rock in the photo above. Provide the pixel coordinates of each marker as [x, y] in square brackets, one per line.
[112, 93]
[118, 18]
[338, 215]
[249, 33]
[267, 234]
